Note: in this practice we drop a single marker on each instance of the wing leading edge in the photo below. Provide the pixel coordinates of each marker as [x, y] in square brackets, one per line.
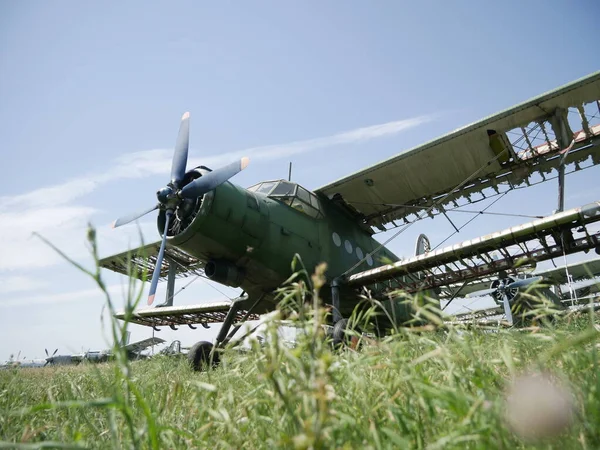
[502, 151]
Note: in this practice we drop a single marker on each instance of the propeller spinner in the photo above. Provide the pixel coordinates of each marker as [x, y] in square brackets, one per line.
[174, 193]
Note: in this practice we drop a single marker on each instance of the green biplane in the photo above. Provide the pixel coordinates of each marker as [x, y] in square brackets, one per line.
[247, 238]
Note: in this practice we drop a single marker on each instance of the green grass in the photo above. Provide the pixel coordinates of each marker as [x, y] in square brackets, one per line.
[434, 390]
[438, 389]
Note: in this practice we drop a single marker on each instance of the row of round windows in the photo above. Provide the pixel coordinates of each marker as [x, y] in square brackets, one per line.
[337, 240]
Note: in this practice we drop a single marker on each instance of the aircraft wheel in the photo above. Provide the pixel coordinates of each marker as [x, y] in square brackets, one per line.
[199, 356]
[340, 338]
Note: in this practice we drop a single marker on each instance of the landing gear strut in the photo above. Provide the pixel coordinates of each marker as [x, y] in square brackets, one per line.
[204, 354]
[340, 325]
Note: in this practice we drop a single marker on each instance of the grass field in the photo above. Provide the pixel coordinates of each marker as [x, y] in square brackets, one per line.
[443, 388]
[439, 389]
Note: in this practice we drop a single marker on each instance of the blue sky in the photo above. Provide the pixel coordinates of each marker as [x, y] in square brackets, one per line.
[92, 95]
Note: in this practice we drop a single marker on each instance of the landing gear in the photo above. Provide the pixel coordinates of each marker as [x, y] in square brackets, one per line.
[342, 336]
[340, 325]
[201, 356]
[339, 333]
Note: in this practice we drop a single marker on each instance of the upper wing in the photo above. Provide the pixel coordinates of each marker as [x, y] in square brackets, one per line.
[507, 147]
[143, 344]
[139, 262]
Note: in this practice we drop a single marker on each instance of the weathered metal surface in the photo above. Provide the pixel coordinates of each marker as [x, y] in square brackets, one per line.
[531, 242]
[579, 271]
[140, 262]
[183, 315]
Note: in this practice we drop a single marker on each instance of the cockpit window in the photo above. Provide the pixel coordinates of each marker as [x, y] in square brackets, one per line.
[303, 195]
[298, 198]
[283, 188]
[292, 195]
[263, 188]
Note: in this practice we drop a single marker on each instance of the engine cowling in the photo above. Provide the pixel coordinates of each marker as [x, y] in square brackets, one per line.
[187, 210]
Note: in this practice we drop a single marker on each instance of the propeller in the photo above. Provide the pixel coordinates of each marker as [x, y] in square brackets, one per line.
[505, 288]
[131, 217]
[175, 193]
[49, 358]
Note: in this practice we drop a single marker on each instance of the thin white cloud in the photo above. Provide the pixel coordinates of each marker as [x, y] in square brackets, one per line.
[50, 210]
[83, 295]
[158, 161]
[20, 283]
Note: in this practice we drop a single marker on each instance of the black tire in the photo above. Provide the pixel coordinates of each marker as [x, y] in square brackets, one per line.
[199, 356]
[339, 333]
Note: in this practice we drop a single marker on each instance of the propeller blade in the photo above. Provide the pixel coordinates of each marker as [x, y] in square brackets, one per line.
[213, 179]
[46, 350]
[507, 310]
[131, 217]
[482, 293]
[523, 283]
[180, 155]
[54, 352]
[161, 254]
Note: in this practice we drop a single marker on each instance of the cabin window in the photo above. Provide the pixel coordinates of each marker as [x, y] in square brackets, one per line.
[283, 188]
[314, 201]
[292, 195]
[265, 188]
[303, 195]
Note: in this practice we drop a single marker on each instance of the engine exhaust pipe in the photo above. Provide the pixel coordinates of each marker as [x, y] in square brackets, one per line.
[224, 272]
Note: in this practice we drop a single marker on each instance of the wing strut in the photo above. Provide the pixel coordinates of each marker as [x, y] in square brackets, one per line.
[435, 204]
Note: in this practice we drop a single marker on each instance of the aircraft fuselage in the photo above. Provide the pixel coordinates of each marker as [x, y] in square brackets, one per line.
[250, 238]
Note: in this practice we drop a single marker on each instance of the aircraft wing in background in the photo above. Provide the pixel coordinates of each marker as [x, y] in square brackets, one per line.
[580, 271]
[139, 346]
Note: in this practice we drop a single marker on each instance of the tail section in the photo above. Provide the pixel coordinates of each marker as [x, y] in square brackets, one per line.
[423, 245]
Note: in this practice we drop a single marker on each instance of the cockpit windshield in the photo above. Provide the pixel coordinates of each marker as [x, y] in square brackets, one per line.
[291, 194]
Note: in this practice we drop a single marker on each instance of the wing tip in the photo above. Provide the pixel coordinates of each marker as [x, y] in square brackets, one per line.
[186, 115]
[151, 299]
